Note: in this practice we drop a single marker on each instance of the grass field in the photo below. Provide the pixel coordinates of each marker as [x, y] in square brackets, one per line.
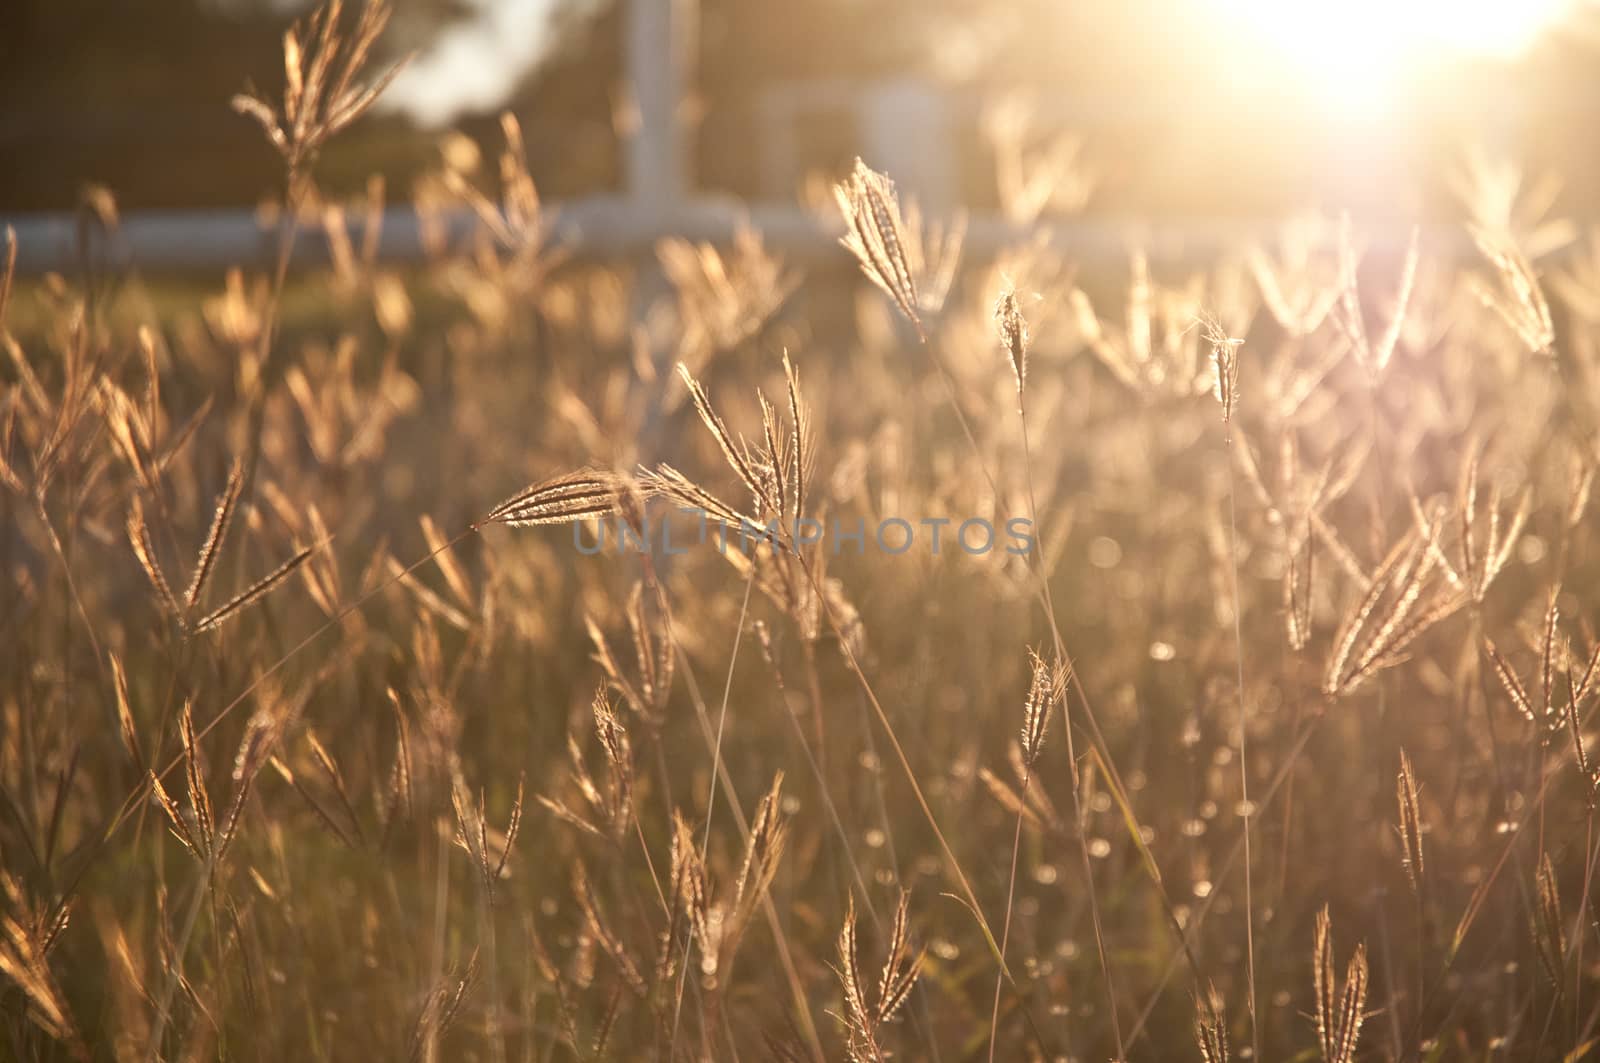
[1261, 727]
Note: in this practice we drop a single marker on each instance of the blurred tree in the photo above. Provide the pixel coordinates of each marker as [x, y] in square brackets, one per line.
[568, 103]
[136, 95]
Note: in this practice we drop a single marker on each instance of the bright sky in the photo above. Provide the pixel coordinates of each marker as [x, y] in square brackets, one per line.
[475, 63]
[1350, 52]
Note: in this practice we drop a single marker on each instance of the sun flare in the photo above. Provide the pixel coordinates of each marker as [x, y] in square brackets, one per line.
[1352, 53]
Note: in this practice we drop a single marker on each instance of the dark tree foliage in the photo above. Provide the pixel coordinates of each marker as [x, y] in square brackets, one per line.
[135, 95]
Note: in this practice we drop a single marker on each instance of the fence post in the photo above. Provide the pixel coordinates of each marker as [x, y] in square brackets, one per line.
[659, 39]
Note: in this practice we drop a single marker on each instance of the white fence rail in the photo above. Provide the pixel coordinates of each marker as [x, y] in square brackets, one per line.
[159, 241]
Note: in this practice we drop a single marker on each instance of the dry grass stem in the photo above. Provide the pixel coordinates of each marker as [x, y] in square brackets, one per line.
[1410, 823]
[1340, 1010]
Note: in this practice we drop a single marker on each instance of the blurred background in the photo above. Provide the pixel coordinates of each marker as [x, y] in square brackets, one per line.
[1210, 109]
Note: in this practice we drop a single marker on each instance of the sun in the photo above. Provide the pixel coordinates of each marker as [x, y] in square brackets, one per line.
[1352, 53]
